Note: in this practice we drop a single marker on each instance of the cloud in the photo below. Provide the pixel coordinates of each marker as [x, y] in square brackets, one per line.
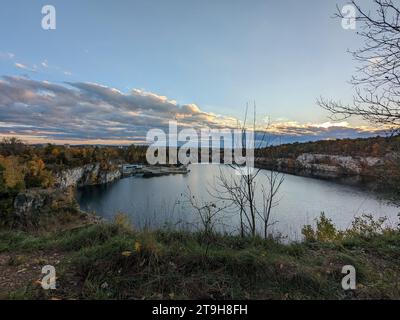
[20, 66]
[25, 67]
[7, 55]
[42, 67]
[90, 111]
[326, 128]
[82, 112]
[293, 131]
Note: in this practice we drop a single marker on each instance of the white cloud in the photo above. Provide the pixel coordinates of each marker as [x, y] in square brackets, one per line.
[7, 55]
[78, 111]
[24, 67]
[329, 124]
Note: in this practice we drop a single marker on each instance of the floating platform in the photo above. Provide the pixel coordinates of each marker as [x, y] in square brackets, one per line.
[155, 171]
[152, 171]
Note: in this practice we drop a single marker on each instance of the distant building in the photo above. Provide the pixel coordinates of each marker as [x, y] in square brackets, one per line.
[131, 168]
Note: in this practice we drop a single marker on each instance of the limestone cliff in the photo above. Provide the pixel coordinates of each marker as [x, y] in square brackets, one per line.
[35, 206]
[323, 165]
[89, 174]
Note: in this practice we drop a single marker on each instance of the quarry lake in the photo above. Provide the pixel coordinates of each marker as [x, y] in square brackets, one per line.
[163, 201]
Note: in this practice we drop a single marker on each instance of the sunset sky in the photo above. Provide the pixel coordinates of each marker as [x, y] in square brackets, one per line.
[114, 69]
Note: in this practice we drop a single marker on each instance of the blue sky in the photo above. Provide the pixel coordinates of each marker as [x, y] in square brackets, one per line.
[214, 55]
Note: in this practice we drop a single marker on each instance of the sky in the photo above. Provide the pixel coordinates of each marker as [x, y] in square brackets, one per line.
[111, 70]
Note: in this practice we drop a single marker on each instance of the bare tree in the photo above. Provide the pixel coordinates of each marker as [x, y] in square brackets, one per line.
[230, 189]
[209, 214]
[274, 182]
[377, 82]
[240, 189]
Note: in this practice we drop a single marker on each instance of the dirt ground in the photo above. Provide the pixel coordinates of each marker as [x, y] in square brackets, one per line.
[17, 271]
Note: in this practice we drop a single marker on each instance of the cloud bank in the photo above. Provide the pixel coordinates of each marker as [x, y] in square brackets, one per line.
[77, 112]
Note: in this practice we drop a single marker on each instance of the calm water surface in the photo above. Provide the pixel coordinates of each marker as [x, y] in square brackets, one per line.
[163, 201]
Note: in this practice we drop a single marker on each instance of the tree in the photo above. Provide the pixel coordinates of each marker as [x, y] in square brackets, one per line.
[240, 189]
[37, 175]
[12, 147]
[209, 216]
[232, 190]
[275, 180]
[3, 187]
[13, 173]
[377, 82]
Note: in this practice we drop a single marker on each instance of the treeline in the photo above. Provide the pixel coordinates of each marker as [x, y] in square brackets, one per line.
[29, 166]
[25, 166]
[365, 147]
[385, 177]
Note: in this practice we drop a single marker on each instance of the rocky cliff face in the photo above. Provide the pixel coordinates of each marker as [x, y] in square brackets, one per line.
[337, 165]
[36, 206]
[323, 165]
[32, 205]
[89, 174]
[29, 202]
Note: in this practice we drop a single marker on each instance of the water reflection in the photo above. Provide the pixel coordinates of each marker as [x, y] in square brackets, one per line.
[162, 201]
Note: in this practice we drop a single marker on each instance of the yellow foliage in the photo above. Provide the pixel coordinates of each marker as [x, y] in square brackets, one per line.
[122, 220]
[137, 246]
[126, 253]
[55, 152]
[13, 171]
[36, 167]
[37, 175]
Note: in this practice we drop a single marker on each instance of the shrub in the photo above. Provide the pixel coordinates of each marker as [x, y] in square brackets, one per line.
[366, 226]
[363, 227]
[325, 230]
[122, 220]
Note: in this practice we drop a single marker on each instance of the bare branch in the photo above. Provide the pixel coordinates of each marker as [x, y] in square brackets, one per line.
[377, 81]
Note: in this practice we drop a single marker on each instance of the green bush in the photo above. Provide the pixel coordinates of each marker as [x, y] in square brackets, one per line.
[325, 230]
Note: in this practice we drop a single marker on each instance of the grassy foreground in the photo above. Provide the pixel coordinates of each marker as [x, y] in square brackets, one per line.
[112, 261]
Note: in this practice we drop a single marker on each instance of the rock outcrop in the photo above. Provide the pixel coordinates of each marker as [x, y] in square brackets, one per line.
[323, 165]
[29, 202]
[90, 174]
[33, 205]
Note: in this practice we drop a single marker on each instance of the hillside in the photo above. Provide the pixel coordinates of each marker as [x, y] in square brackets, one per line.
[114, 261]
[370, 162]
